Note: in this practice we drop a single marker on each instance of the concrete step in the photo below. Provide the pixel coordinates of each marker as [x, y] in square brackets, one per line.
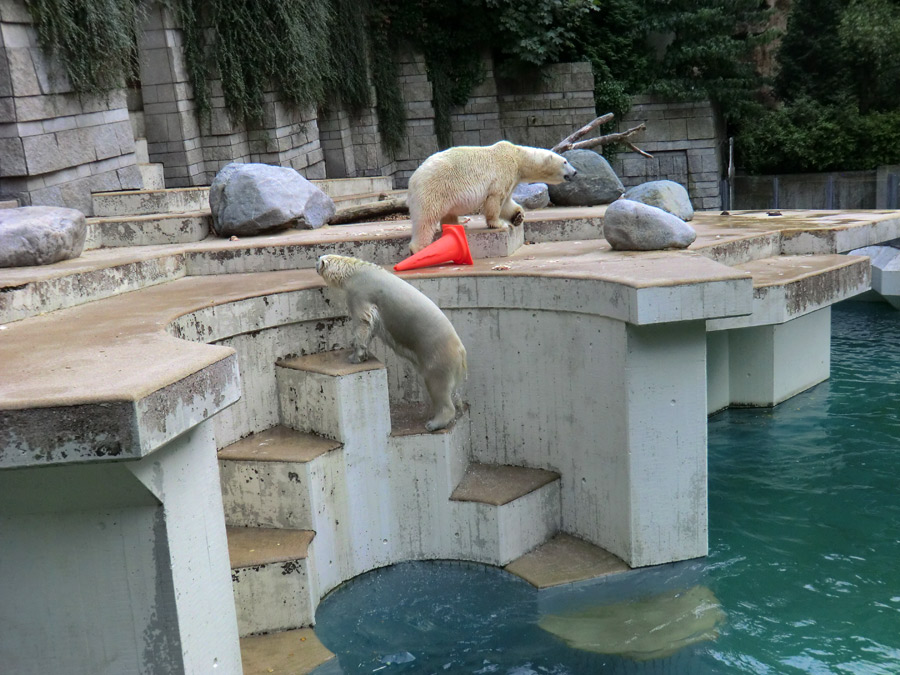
[96, 274]
[148, 202]
[338, 188]
[501, 512]
[565, 559]
[325, 394]
[273, 586]
[9, 204]
[151, 230]
[153, 175]
[290, 652]
[181, 200]
[366, 198]
[267, 478]
[428, 466]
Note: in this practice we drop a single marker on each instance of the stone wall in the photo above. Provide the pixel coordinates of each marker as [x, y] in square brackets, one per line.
[56, 147]
[685, 140]
[543, 111]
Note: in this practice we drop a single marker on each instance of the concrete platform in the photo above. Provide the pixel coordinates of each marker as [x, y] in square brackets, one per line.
[128, 368]
[564, 560]
[293, 652]
[499, 485]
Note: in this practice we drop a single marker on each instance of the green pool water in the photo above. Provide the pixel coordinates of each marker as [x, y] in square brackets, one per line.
[804, 504]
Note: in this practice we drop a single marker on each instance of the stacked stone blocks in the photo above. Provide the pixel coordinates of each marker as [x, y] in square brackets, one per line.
[55, 145]
[685, 141]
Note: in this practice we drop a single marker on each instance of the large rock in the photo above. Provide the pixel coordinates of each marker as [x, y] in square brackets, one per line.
[596, 182]
[40, 235]
[248, 199]
[663, 194]
[632, 226]
[531, 195]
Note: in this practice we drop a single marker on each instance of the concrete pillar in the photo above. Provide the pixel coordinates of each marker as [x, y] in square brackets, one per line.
[765, 365]
[664, 457]
[89, 587]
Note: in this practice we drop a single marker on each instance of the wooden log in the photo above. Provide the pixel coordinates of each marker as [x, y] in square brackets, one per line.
[368, 211]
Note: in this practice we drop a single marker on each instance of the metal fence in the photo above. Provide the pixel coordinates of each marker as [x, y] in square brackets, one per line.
[844, 190]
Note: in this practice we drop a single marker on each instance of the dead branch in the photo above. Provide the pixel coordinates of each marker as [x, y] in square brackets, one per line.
[606, 139]
[583, 131]
[353, 214]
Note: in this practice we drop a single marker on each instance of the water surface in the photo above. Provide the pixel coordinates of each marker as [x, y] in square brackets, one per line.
[804, 554]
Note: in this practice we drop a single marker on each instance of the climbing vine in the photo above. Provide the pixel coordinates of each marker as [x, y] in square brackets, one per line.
[94, 40]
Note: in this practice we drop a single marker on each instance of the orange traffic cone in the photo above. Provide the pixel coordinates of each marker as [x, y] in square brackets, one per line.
[452, 247]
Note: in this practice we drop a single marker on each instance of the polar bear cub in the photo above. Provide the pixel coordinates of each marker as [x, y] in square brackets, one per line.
[409, 323]
[473, 179]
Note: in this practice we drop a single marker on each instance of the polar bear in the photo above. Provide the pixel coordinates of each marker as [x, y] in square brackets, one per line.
[385, 305]
[472, 179]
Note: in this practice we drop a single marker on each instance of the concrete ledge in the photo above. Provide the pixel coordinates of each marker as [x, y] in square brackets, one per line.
[152, 230]
[498, 485]
[29, 291]
[564, 560]
[787, 287]
[292, 651]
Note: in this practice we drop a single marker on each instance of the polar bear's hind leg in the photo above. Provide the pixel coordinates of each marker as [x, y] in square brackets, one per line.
[440, 385]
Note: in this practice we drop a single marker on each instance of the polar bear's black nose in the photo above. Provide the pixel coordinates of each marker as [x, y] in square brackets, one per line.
[570, 176]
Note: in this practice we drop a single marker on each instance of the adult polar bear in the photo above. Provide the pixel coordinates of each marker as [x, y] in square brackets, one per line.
[472, 179]
[407, 320]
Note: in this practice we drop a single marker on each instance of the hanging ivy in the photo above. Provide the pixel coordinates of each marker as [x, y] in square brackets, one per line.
[94, 40]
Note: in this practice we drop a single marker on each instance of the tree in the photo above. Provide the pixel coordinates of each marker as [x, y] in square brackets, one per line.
[705, 48]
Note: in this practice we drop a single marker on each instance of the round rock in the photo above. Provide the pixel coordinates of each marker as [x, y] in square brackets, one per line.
[40, 235]
[633, 226]
[595, 183]
[531, 195]
[663, 194]
[248, 199]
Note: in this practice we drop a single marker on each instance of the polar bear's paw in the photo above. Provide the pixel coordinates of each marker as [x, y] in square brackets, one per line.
[359, 356]
[518, 219]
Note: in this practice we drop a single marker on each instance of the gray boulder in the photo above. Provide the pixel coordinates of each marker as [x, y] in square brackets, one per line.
[40, 235]
[632, 226]
[531, 195]
[663, 194]
[248, 199]
[596, 182]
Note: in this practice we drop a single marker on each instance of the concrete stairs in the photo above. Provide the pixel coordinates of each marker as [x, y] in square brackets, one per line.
[346, 483]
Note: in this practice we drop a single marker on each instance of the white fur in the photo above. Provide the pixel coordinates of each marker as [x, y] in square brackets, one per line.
[473, 179]
[382, 304]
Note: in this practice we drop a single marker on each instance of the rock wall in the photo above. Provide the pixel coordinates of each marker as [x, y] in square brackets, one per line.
[686, 142]
[56, 147]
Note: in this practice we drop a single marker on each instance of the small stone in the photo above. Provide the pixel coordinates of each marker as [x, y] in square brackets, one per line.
[667, 195]
[531, 195]
[596, 182]
[40, 235]
[249, 199]
[633, 226]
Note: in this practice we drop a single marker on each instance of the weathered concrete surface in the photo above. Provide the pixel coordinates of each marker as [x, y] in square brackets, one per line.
[295, 651]
[142, 532]
[638, 322]
[885, 261]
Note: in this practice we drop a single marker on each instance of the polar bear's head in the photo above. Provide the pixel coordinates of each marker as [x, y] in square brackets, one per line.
[545, 166]
[335, 269]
